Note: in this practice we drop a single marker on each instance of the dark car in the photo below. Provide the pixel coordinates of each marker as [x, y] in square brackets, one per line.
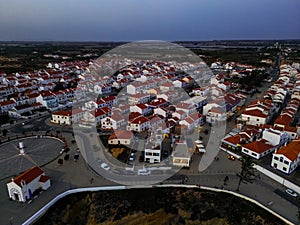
[141, 159]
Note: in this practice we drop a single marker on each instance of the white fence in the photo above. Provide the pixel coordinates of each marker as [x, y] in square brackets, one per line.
[49, 204]
[277, 178]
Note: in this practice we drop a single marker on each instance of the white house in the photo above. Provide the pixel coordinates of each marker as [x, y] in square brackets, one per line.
[114, 122]
[135, 87]
[124, 137]
[162, 112]
[152, 154]
[189, 108]
[48, 99]
[139, 124]
[110, 101]
[275, 137]
[67, 117]
[22, 187]
[255, 117]
[7, 105]
[179, 114]
[216, 114]
[138, 98]
[94, 117]
[258, 149]
[287, 158]
[141, 108]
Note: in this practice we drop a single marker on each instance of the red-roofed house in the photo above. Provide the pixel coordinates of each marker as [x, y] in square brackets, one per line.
[7, 105]
[138, 98]
[287, 158]
[124, 137]
[110, 101]
[158, 103]
[189, 108]
[94, 117]
[141, 108]
[216, 114]
[255, 117]
[114, 122]
[67, 117]
[258, 149]
[22, 187]
[47, 99]
[139, 124]
[179, 114]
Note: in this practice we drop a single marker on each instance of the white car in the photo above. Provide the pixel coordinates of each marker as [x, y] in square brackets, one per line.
[131, 158]
[144, 172]
[291, 192]
[105, 166]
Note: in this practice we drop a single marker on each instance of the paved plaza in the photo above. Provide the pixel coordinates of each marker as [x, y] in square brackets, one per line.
[37, 151]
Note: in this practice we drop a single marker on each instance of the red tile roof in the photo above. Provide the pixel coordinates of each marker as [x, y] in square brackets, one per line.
[258, 146]
[139, 120]
[44, 179]
[9, 102]
[255, 112]
[28, 175]
[291, 151]
[141, 106]
[121, 134]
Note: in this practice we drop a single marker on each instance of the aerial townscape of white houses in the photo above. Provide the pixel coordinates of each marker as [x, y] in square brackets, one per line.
[271, 125]
[151, 97]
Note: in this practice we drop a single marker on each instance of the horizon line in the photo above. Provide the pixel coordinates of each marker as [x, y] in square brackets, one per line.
[122, 41]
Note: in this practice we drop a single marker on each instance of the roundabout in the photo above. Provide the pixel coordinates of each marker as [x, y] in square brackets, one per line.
[21, 154]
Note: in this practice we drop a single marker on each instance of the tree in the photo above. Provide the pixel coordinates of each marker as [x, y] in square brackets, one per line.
[60, 162]
[67, 156]
[247, 173]
[4, 132]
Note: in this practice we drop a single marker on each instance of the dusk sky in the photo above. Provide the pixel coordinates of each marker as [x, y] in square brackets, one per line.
[132, 20]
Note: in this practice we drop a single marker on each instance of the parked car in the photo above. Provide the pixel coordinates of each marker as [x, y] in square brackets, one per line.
[291, 192]
[231, 157]
[144, 172]
[131, 158]
[141, 159]
[105, 166]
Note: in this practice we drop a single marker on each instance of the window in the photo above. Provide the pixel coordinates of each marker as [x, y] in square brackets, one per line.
[284, 168]
[286, 162]
[276, 158]
[281, 159]
[257, 119]
[254, 154]
[245, 150]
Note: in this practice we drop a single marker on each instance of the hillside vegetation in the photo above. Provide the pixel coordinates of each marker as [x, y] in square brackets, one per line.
[155, 206]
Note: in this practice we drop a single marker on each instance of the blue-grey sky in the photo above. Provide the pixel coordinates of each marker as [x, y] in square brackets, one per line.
[132, 20]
